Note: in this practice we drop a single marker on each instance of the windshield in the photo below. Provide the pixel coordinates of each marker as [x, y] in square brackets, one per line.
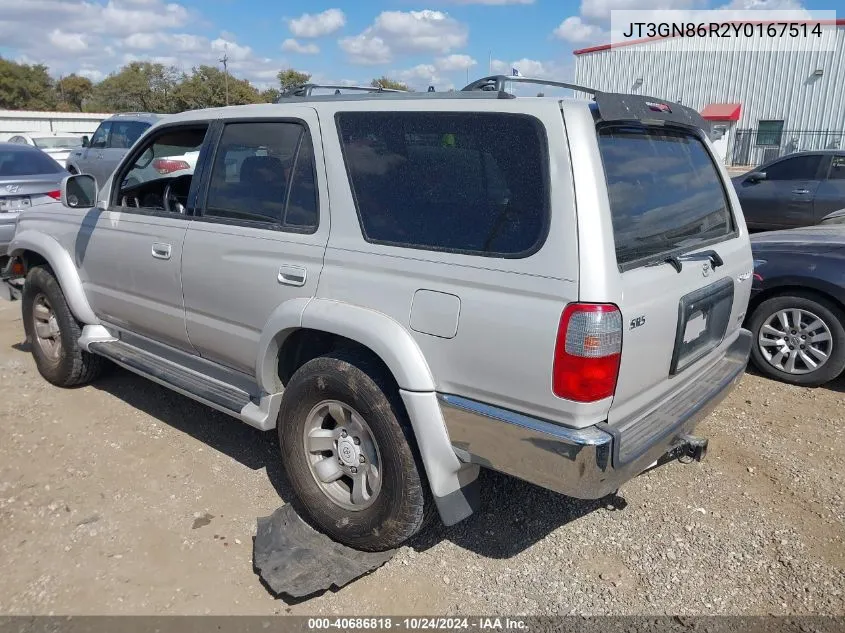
[665, 192]
[56, 142]
[29, 162]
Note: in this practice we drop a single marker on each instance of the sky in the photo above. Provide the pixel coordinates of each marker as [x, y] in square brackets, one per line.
[420, 42]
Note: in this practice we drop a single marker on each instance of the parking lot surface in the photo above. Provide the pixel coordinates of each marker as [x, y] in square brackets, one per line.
[125, 498]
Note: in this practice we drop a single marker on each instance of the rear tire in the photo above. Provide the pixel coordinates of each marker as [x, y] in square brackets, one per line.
[351, 386]
[793, 315]
[54, 333]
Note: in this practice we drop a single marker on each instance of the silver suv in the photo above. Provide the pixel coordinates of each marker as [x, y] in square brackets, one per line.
[100, 154]
[410, 286]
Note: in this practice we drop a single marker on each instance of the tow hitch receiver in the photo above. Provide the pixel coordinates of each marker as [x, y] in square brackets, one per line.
[691, 448]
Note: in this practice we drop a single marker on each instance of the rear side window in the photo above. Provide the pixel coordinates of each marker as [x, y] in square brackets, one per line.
[264, 172]
[470, 183]
[837, 168]
[665, 192]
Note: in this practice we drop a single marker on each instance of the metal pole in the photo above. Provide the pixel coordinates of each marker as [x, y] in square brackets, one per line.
[225, 61]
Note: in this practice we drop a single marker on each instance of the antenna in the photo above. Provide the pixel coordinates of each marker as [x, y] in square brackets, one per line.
[225, 61]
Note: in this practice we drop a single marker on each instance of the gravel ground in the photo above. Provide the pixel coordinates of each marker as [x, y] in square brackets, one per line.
[122, 497]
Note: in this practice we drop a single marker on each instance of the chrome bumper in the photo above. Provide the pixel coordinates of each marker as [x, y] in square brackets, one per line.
[593, 462]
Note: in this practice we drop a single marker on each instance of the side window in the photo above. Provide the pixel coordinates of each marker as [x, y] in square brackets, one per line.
[837, 168]
[125, 133]
[472, 183]
[160, 176]
[101, 136]
[798, 168]
[17, 139]
[264, 172]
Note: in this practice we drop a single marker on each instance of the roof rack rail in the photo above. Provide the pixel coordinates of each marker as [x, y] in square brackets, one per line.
[498, 83]
[305, 90]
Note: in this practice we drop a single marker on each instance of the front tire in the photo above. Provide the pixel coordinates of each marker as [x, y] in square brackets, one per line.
[54, 333]
[349, 453]
[798, 339]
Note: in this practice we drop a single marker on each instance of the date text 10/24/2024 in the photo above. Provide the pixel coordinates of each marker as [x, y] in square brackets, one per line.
[417, 623]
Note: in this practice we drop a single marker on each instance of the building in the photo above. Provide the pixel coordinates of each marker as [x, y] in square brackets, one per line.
[761, 104]
[13, 122]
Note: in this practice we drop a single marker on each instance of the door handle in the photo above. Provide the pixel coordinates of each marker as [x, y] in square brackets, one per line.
[291, 275]
[161, 251]
[802, 191]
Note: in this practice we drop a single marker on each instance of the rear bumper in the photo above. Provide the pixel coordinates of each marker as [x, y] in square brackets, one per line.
[593, 462]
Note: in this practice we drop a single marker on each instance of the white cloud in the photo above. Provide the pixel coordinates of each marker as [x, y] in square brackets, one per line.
[366, 50]
[574, 29]
[70, 42]
[317, 24]
[291, 45]
[454, 62]
[405, 32]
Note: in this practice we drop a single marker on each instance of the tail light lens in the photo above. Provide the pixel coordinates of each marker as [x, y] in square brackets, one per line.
[168, 165]
[587, 352]
[55, 195]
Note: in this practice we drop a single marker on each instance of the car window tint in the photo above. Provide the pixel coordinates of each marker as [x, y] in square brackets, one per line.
[798, 168]
[302, 199]
[27, 162]
[664, 189]
[472, 183]
[253, 177]
[101, 136]
[125, 133]
[837, 168]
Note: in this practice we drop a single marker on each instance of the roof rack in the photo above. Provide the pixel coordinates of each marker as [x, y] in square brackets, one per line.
[498, 83]
[305, 90]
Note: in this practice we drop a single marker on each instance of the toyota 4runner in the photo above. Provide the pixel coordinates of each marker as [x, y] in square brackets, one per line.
[411, 286]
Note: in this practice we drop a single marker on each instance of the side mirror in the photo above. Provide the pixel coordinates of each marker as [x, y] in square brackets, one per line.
[144, 159]
[86, 141]
[79, 191]
[756, 176]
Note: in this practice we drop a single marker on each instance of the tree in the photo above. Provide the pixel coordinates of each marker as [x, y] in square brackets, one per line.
[205, 87]
[25, 87]
[389, 84]
[72, 91]
[290, 78]
[139, 86]
[270, 95]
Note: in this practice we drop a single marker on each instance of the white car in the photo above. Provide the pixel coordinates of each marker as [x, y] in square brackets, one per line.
[56, 145]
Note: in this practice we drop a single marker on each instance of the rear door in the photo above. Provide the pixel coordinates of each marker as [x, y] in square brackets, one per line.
[683, 257]
[260, 236]
[830, 195]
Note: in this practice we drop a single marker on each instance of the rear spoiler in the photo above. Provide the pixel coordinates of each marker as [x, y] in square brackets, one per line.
[610, 106]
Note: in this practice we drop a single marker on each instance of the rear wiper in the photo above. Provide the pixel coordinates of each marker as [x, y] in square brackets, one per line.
[677, 261]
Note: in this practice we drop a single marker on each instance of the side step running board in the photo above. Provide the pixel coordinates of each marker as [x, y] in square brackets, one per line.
[221, 396]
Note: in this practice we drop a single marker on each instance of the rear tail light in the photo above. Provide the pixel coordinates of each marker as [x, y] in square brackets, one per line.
[587, 352]
[55, 195]
[168, 165]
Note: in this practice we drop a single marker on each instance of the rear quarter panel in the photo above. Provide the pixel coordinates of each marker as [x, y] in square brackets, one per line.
[509, 309]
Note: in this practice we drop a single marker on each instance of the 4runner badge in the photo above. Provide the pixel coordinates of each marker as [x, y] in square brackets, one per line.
[13, 188]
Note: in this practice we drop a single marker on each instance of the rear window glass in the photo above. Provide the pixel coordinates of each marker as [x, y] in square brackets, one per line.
[471, 183]
[27, 163]
[665, 193]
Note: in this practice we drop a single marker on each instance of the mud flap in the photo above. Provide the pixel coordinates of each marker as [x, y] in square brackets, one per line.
[295, 560]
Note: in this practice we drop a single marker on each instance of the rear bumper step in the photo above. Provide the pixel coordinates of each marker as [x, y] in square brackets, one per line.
[593, 462]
